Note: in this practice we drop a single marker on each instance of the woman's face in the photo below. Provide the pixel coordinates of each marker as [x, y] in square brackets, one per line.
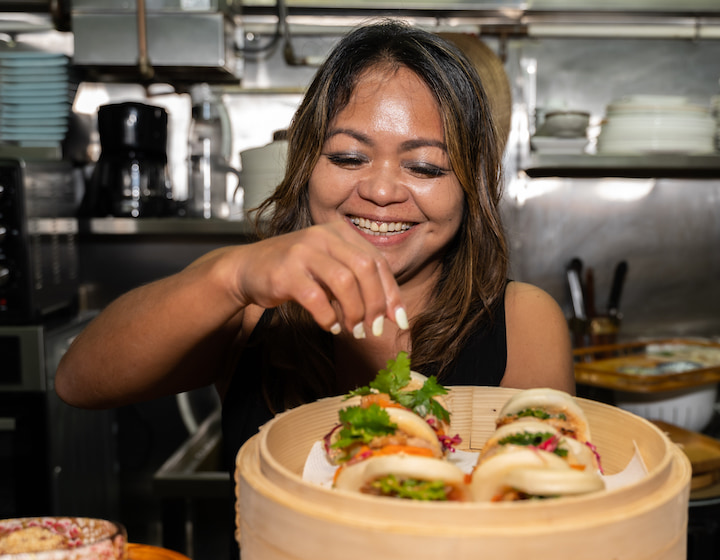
[384, 168]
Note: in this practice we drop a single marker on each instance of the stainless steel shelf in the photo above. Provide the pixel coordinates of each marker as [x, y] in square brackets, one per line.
[639, 166]
[165, 226]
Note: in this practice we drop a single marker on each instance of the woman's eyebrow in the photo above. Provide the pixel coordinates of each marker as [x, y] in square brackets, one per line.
[405, 146]
[421, 143]
[359, 136]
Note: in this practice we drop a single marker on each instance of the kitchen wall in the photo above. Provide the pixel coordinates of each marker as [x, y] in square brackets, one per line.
[667, 229]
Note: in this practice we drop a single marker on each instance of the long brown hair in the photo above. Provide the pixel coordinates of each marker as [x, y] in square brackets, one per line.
[475, 267]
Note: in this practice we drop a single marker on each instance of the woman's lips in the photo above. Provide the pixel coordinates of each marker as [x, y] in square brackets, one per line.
[374, 227]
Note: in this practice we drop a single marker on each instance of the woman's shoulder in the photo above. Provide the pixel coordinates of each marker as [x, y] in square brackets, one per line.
[523, 299]
[538, 337]
[528, 307]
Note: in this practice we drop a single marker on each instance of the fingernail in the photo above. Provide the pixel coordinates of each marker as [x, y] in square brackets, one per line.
[377, 326]
[401, 319]
[359, 331]
[336, 328]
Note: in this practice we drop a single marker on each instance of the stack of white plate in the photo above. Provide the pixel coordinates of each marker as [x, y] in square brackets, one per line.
[656, 123]
[35, 96]
[715, 107]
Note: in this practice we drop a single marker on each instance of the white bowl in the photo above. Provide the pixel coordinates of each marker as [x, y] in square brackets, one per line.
[690, 408]
[565, 124]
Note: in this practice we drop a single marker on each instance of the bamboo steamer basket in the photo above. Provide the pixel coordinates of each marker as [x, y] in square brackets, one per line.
[280, 516]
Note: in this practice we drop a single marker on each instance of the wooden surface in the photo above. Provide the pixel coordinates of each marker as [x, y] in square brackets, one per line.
[149, 552]
[703, 452]
[602, 366]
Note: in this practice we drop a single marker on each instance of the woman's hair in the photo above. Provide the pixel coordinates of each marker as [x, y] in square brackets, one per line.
[474, 270]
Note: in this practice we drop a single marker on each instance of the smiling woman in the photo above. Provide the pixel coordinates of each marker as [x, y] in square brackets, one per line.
[385, 168]
[383, 236]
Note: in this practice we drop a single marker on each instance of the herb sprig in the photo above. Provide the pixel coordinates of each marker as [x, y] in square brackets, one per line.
[362, 425]
[392, 381]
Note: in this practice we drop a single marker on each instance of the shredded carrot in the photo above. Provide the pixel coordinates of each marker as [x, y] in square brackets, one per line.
[408, 449]
[337, 472]
[381, 399]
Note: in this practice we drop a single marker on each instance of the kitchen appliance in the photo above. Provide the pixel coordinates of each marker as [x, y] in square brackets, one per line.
[38, 240]
[130, 179]
[54, 459]
[209, 149]
[263, 168]
[177, 40]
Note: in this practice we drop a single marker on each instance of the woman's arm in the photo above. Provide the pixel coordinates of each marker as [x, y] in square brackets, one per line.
[185, 331]
[538, 341]
[169, 336]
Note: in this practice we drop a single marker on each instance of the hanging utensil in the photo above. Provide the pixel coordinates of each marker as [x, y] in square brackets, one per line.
[590, 293]
[574, 274]
[616, 288]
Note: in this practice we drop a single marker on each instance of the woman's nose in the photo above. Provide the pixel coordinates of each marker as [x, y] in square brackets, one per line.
[383, 185]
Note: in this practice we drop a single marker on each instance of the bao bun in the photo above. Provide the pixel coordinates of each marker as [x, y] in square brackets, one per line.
[518, 469]
[415, 427]
[412, 430]
[417, 380]
[579, 455]
[557, 404]
[358, 476]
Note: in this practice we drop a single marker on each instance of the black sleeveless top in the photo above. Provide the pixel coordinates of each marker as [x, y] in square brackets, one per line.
[481, 362]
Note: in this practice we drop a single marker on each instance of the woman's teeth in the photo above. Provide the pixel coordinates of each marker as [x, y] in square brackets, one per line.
[380, 228]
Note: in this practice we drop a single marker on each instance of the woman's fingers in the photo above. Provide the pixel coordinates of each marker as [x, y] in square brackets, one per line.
[380, 294]
[341, 279]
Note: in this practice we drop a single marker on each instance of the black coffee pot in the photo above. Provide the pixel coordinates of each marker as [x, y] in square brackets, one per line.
[130, 179]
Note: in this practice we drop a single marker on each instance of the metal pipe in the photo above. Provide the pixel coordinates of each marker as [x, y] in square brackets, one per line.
[146, 69]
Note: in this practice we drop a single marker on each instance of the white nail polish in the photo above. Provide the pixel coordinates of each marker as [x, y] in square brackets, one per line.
[336, 328]
[401, 319]
[377, 326]
[359, 331]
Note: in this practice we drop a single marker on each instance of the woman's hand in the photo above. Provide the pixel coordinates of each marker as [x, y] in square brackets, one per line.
[331, 271]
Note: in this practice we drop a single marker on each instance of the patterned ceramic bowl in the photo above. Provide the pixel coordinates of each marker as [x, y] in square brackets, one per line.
[62, 538]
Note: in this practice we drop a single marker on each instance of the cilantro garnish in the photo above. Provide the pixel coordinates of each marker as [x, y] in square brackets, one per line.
[391, 379]
[362, 425]
[395, 377]
[543, 440]
[412, 489]
[537, 413]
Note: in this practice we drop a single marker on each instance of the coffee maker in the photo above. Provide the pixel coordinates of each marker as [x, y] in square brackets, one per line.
[130, 179]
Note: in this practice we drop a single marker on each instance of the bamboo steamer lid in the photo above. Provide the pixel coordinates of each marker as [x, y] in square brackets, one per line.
[493, 76]
[283, 517]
